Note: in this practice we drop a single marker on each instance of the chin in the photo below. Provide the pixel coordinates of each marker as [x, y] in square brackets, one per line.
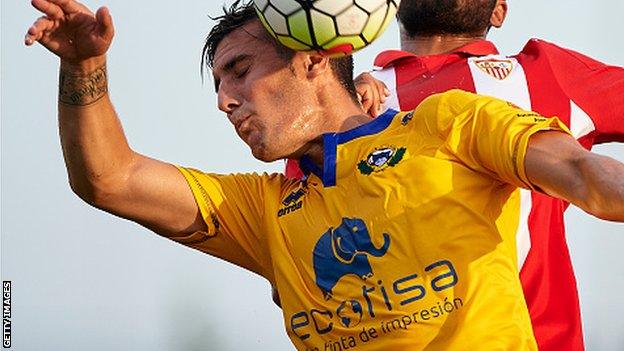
[265, 155]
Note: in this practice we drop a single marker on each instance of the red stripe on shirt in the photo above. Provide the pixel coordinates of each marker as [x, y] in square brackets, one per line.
[547, 275]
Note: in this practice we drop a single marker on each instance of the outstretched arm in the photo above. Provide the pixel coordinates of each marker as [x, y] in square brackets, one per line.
[103, 170]
[561, 167]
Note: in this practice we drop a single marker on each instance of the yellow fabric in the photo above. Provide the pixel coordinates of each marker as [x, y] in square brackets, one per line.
[409, 249]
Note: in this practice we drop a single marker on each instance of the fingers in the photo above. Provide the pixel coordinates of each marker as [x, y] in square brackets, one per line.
[38, 29]
[382, 90]
[368, 101]
[385, 93]
[370, 97]
[68, 6]
[373, 93]
[45, 23]
[51, 10]
[104, 23]
[382, 93]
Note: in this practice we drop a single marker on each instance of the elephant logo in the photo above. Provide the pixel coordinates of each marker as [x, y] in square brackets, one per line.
[345, 250]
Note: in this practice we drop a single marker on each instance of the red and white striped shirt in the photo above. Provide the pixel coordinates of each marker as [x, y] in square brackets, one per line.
[585, 94]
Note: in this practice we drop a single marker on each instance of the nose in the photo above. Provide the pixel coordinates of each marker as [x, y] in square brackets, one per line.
[228, 101]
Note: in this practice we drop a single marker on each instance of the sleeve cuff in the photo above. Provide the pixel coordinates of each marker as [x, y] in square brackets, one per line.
[522, 144]
[205, 204]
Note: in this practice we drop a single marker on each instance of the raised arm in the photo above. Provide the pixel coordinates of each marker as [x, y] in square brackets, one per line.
[561, 167]
[102, 168]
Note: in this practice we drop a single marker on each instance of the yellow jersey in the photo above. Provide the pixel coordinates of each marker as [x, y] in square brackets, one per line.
[400, 241]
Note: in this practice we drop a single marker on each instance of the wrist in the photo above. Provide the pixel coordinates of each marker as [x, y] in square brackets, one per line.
[83, 83]
[83, 67]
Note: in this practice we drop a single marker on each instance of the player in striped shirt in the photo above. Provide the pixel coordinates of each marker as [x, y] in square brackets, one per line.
[444, 47]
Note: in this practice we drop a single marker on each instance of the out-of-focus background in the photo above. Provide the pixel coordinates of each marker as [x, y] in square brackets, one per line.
[85, 280]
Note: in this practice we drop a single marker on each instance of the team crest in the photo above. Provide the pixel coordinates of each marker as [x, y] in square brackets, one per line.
[381, 159]
[498, 69]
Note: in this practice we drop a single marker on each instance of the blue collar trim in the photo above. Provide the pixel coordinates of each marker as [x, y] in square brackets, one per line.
[375, 126]
[332, 140]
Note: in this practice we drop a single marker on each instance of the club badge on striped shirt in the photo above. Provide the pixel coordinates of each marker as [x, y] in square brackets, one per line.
[496, 68]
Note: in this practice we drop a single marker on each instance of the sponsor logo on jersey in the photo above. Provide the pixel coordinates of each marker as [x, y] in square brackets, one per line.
[380, 159]
[496, 68]
[345, 250]
[536, 117]
[292, 202]
[407, 118]
[511, 104]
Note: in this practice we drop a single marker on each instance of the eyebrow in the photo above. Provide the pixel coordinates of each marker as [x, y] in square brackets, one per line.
[228, 66]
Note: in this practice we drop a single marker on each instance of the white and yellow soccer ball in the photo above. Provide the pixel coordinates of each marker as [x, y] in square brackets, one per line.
[334, 27]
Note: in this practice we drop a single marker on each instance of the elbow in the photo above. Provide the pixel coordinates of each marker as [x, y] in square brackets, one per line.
[99, 194]
[84, 192]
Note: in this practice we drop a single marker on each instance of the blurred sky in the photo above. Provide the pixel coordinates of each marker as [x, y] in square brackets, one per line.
[85, 280]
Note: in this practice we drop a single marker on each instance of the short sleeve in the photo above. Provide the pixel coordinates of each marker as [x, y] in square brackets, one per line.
[488, 135]
[597, 88]
[233, 207]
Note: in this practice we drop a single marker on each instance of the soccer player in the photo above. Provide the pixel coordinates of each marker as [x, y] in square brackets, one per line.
[444, 47]
[388, 242]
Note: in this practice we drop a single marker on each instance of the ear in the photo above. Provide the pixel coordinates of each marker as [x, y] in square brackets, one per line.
[499, 13]
[343, 244]
[316, 64]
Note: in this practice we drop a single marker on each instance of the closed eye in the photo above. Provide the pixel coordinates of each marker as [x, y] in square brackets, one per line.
[237, 67]
[241, 73]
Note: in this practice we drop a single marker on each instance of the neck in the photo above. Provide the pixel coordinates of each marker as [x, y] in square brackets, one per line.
[336, 115]
[436, 44]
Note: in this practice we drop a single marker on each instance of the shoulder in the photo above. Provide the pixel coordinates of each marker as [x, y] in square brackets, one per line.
[536, 45]
[440, 112]
[203, 180]
[452, 101]
[539, 49]
[436, 113]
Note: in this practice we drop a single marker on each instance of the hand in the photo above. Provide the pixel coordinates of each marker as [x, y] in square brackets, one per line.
[71, 31]
[371, 92]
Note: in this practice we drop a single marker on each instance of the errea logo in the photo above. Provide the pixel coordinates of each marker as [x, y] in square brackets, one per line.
[292, 202]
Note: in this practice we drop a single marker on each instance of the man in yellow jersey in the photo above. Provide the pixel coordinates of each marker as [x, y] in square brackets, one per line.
[389, 242]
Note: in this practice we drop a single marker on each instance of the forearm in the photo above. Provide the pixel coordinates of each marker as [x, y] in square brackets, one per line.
[557, 164]
[604, 186]
[95, 149]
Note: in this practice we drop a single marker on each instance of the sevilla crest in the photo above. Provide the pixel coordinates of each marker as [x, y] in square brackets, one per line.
[496, 68]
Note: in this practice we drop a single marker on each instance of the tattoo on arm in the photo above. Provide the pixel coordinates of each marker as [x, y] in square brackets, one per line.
[82, 90]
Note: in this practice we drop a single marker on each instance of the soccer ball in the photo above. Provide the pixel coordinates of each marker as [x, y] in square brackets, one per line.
[333, 27]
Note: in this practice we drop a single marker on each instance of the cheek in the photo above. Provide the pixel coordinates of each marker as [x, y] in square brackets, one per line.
[283, 108]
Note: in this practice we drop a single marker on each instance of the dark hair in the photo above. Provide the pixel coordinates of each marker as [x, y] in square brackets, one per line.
[454, 17]
[239, 14]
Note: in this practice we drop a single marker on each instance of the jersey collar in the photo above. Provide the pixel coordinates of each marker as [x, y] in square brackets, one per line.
[330, 144]
[476, 48]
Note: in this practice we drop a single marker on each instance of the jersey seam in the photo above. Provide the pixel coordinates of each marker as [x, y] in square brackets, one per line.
[207, 202]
